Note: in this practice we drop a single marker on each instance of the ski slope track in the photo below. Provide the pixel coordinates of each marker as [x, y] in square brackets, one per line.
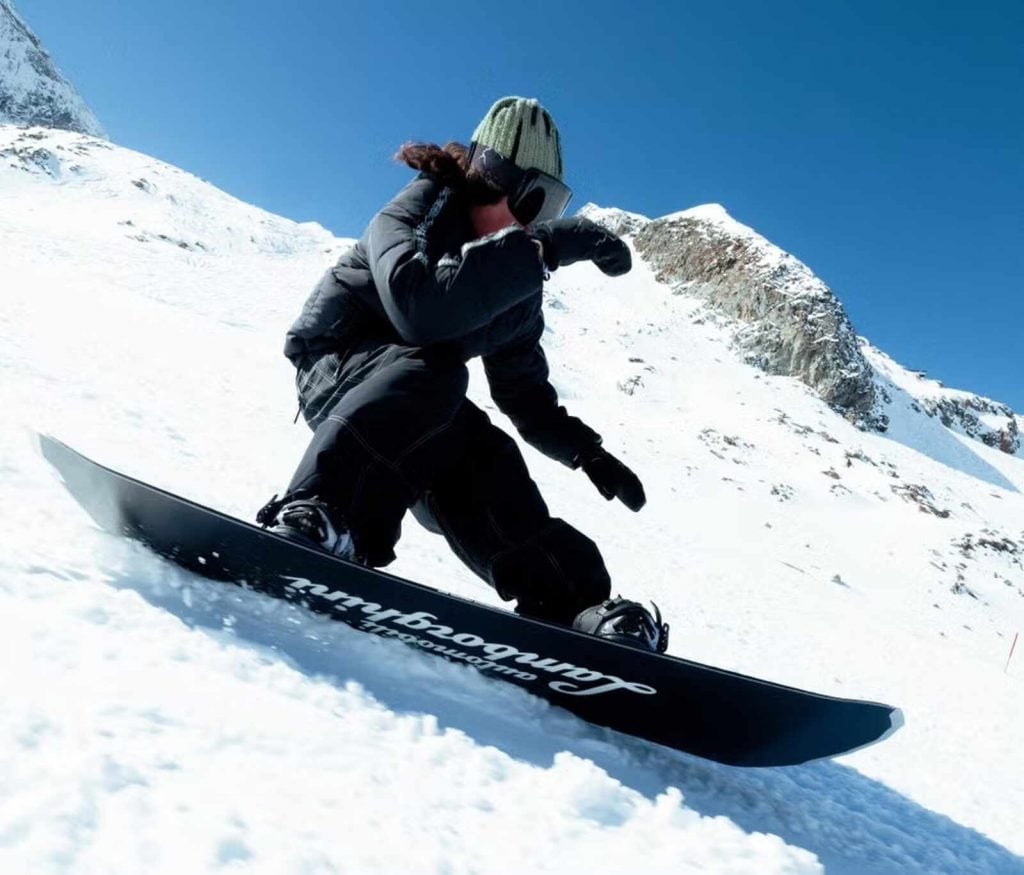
[152, 721]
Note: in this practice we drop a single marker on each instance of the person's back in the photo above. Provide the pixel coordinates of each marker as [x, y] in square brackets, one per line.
[346, 304]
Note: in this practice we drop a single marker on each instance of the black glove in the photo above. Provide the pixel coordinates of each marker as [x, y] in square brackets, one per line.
[567, 241]
[613, 479]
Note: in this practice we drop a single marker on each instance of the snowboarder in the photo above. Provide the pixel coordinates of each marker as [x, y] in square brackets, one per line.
[450, 269]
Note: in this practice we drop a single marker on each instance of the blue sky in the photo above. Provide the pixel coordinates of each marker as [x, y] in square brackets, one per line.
[879, 142]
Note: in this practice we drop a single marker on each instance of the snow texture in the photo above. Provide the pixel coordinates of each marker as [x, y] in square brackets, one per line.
[32, 90]
[152, 721]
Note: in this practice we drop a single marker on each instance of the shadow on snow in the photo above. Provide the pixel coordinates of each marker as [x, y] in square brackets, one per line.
[853, 824]
[928, 436]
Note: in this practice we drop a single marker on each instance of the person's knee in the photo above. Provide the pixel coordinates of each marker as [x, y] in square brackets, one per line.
[403, 407]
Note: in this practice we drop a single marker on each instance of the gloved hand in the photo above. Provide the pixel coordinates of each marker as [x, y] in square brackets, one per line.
[613, 479]
[566, 241]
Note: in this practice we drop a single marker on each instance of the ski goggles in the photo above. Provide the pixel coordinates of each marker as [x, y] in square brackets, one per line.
[533, 195]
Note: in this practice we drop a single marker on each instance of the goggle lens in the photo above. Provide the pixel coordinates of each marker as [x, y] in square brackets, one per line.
[539, 198]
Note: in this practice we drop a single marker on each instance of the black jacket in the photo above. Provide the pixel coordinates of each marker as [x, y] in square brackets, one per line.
[417, 277]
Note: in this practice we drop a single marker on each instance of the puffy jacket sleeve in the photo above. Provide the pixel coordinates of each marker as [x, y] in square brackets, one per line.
[518, 378]
[431, 301]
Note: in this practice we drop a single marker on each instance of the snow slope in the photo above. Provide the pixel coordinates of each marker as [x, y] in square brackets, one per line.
[152, 721]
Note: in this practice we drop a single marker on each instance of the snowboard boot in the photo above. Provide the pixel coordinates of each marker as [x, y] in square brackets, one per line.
[309, 521]
[625, 622]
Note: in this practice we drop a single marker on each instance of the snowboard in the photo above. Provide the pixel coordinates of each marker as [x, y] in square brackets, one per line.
[712, 713]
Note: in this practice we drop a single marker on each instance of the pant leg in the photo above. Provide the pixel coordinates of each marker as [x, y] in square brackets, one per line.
[493, 516]
[379, 444]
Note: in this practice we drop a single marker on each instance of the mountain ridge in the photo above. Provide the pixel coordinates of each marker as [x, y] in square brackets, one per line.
[32, 89]
[787, 322]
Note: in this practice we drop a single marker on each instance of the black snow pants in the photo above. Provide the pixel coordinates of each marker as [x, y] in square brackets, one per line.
[393, 430]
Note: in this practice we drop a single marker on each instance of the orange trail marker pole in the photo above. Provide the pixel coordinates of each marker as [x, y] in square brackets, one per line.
[1012, 648]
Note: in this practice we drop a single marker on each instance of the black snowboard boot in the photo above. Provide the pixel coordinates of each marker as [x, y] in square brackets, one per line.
[625, 622]
[310, 521]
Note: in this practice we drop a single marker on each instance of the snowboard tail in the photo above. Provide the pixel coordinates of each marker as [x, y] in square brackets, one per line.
[712, 713]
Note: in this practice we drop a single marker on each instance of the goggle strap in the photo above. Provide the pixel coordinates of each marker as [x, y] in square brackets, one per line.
[511, 178]
[496, 167]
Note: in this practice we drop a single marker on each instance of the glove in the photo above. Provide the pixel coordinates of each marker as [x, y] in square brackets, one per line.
[566, 241]
[613, 479]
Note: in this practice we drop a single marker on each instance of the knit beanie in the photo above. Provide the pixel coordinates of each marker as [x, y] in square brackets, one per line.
[522, 130]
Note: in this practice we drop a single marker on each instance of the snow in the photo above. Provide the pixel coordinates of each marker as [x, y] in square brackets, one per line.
[965, 413]
[153, 721]
[612, 216]
[32, 90]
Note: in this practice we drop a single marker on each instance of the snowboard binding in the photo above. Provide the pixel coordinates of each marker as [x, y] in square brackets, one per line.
[308, 520]
[625, 622]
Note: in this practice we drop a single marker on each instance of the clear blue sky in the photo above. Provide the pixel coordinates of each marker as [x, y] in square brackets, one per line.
[880, 141]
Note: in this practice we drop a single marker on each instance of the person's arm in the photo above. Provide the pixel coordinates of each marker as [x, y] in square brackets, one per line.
[429, 302]
[518, 378]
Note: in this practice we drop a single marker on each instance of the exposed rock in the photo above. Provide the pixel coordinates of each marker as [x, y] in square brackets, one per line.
[32, 90]
[617, 221]
[975, 416]
[800, 429]
[630, 385]
[34, 151]
[723, 446]
[960, 587]
[994, 541]
[988, 421]
[860, 456]
[787, 322]
[921, 496]
[790, 323]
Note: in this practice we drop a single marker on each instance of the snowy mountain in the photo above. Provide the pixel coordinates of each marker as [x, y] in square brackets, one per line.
[786, 321]
[818, 515]
[32, 90]
[991, 422]
[143, 319]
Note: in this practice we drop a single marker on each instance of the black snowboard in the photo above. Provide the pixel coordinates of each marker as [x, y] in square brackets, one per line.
[695, 708]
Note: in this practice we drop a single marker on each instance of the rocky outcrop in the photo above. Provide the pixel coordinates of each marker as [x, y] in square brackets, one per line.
[32, 90]
[617, 221]
[983, 419]
[789, 322]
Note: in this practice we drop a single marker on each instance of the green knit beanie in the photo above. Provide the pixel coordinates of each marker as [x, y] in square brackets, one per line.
[524, 132]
